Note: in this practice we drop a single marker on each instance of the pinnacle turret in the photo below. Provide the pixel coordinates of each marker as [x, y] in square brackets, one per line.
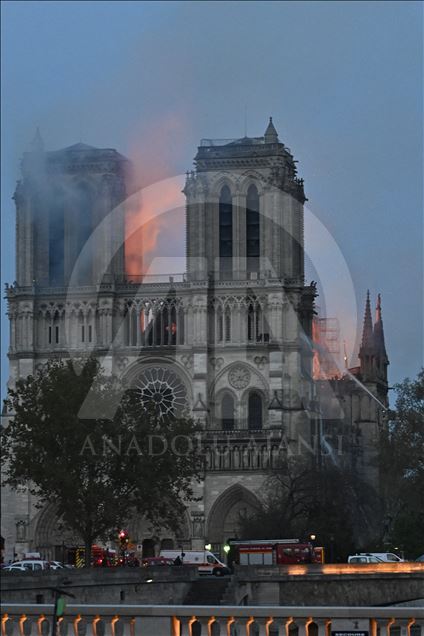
[271, 135]
[367, 330]
[379, 343]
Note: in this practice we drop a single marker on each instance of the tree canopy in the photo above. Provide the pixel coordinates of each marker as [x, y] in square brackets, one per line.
[302, 498]
[402, 469]
[97, 470]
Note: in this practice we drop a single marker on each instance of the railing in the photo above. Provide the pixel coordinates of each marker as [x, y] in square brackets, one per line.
[180, 280]
[216, 142]
[182, 620]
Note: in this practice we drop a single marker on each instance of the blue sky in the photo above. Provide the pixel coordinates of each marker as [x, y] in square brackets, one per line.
[343, 81]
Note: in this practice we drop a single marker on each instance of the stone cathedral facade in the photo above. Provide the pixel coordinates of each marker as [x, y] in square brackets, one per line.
[231, 342]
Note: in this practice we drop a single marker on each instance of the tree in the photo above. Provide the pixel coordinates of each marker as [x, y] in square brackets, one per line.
[100, 470]
[402, 469]
[302, 498]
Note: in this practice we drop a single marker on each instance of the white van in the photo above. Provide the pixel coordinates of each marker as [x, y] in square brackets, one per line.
[387, 557]
[207, 562]
[33, 565]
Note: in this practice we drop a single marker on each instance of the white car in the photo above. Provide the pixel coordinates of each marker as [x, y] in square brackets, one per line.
[387, 557]
[364, 558]
[15, 567]
[56, 565]
[33, 565]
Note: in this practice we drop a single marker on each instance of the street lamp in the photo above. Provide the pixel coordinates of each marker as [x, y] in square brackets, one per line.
[312, 537]
[226, 548]
[208, 547]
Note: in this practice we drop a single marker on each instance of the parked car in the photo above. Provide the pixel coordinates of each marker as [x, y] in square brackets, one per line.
[364, 558]
[420, 559]
[56, 565]
[14, 567]
[33, 565]
[387, 557]
[153, 561]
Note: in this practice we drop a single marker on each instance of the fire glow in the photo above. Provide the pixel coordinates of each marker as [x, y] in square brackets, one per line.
[152, 213]
[352, 568]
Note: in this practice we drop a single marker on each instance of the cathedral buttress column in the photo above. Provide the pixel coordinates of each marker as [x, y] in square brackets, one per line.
[269, 231]
[239, 236]
[201, 207]
[286, 256]
[24, 238]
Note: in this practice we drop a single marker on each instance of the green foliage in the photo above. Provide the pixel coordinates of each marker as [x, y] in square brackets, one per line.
[402, 469]
[119, 459]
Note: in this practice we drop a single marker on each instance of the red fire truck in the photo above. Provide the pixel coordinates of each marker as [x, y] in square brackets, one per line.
[99, 556]
[275, 552]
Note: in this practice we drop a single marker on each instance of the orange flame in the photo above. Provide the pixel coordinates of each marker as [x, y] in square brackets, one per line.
[152, 213]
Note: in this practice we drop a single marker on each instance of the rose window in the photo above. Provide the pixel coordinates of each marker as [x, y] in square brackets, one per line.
[163, 388]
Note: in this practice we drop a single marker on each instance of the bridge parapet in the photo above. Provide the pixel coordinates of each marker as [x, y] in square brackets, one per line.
[22, 619]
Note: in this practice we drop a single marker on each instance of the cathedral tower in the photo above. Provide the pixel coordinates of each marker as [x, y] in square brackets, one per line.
[63, 197]
[245, 210]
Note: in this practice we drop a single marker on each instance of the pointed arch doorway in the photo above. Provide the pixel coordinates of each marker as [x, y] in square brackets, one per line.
[224, 517]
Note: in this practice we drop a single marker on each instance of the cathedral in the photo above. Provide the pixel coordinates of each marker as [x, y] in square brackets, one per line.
[231, 342]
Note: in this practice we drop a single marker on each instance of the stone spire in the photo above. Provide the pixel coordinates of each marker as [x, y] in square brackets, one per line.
[367, 331]
[366, 350]
[379, 344]
[37, 144]
[271, 135]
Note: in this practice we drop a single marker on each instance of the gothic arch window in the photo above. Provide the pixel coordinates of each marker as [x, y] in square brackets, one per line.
[220, 325]
[225, 230]
[81, 327]
[163, 324]
[255, 322]
[180, 326]
[147, 324]
[227, 412]
[227, 324]
[56, 240]
[171, 326]
[53, 329]
[251, 323]
[90, 327]
[133, 327]
[254, 418]
[126, 327]
[252, 229]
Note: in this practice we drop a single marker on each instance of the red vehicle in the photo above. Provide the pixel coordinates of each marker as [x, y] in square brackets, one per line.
[276, 552]
[99, 557]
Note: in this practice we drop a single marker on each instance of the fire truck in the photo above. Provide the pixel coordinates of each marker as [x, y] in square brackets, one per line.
[99, 556]
[275, 552]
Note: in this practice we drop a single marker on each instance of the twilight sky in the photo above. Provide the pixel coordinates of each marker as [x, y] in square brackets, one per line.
[342, 80]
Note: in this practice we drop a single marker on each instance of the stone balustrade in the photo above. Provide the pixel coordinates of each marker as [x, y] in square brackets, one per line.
[181, 620]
